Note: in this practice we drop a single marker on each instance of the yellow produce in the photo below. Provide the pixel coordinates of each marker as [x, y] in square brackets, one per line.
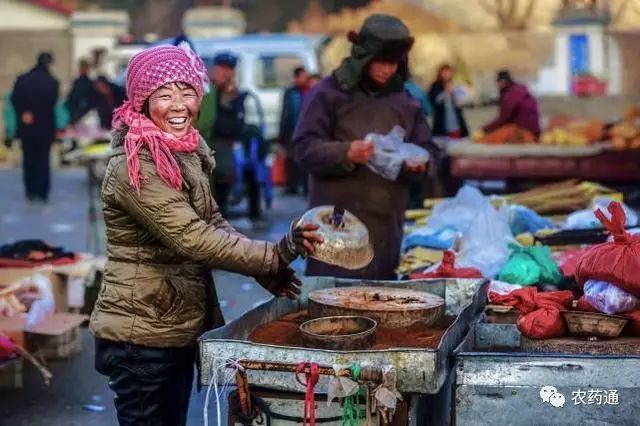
[624, 130]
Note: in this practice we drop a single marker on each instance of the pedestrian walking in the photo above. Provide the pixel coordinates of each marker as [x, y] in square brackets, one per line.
[365, 94]
[164, 233]
[291, 107]
[34, 99]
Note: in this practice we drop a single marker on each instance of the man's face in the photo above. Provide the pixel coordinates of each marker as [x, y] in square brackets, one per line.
[301, 80]
[222, 75]
[501, 84]
[381, 71]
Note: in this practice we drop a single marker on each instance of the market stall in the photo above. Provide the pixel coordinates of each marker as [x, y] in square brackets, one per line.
[264, 345]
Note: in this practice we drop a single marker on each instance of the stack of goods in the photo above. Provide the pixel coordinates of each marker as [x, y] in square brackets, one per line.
[507, 134]
[573, 132]
[609, 273]
[562, 197]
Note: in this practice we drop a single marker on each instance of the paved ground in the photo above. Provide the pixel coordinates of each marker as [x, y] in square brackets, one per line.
[64, 223]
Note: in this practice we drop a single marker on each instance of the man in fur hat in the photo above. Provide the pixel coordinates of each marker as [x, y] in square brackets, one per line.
[365, 94]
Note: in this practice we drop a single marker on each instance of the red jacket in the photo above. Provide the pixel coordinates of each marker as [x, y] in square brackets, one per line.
[519, 107]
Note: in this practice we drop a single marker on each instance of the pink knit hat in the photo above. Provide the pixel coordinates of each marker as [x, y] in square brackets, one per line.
[154, 67]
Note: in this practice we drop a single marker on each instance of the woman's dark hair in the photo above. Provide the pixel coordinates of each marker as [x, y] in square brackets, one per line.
[441, 69]
[145, 106]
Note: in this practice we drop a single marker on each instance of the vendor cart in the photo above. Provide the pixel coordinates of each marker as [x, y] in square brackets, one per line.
[502, 378]
[420, 373]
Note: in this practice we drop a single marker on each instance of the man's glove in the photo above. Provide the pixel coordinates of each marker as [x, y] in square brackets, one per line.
[285, 282]
[298, 242]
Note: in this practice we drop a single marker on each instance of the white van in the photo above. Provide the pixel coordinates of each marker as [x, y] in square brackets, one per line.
[265, 67]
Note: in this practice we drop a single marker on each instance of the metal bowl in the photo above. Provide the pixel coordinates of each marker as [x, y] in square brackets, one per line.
[594, 325]
[343, 333]
[346, 245]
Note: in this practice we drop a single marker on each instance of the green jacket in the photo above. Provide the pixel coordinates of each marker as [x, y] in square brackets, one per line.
[161, 245]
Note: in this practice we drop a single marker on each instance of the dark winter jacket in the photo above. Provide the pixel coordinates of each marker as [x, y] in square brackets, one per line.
[37, 92]
[291, 106]
[517, 106]
[331, 119]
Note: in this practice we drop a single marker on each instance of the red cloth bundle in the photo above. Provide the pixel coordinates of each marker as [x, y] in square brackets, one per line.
[447, 269]
[616, 262]
[540, 311]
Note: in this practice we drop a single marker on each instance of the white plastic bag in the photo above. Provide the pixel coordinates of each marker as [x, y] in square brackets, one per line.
[43, 306]
[586, 219]
[485, 245]
[458, 212]
[391, 151]
[608, 298]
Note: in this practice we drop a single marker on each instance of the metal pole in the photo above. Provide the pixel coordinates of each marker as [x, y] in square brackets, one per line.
[371, 374]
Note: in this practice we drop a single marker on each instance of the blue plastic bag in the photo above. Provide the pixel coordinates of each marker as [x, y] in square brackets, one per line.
[523, 219]
[432, 238]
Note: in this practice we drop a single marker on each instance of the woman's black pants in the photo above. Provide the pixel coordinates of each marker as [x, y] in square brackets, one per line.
[152, 386]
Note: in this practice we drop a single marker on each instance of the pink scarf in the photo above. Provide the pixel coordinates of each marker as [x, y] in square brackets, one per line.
[143, 132]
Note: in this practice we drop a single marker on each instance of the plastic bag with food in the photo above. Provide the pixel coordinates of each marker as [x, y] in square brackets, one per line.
[391, 152]
[608, 298]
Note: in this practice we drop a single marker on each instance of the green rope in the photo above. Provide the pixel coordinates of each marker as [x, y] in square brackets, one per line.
[351, 415]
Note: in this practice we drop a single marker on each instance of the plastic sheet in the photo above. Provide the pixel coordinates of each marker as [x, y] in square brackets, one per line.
[391, 151]
[586, 219]
[432, 238]
[45, 305]
[608, 298]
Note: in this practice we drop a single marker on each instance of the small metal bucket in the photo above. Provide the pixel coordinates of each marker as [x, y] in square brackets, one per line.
[341, 333]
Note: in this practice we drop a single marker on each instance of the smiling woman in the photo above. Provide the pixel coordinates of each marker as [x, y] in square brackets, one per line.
[164, 234]
[172, 108]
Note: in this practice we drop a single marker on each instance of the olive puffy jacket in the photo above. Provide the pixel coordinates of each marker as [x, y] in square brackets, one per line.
[161, 244]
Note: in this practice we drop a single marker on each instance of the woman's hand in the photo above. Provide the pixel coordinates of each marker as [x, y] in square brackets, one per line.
[285, 282]
[299, 241]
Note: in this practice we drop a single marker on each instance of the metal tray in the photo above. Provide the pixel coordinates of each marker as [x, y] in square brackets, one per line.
[497, 380]
[418, 370]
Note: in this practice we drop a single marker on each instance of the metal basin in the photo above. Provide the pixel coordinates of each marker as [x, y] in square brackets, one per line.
[346, 244]
[344, 333]
[594, 325]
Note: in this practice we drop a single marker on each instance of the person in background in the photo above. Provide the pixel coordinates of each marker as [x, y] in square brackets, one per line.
[313, 80]
[517, 106]
[164, 234]
[81, 94]
[291, 106]
[448, 119]
[34, 98]
[222, 124]
[104, 97]
[417, 188]
[365, 94]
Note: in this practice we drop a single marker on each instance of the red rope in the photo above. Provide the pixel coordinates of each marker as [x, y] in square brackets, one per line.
[311, 379]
